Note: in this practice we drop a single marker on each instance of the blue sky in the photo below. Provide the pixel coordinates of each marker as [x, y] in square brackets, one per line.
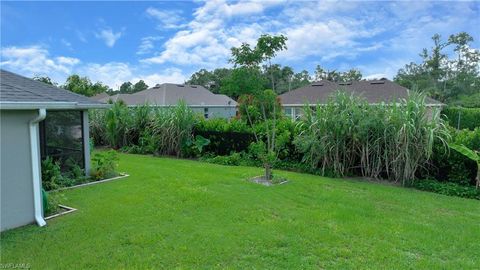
[113, 42]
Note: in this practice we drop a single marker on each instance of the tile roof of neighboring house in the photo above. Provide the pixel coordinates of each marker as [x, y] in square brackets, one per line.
[169, 94]
[373, 91]
[18, 92]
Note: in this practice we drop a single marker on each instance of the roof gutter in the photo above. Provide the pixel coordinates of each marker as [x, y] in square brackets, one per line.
[12, 105]
[36, 168]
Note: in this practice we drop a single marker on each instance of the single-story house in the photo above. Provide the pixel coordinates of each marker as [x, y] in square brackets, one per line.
[36, 120]
[374, 91]
[168, 94]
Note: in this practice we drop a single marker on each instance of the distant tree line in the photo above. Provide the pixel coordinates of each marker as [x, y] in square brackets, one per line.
[449, 71]
[279, 78]
[84, 86]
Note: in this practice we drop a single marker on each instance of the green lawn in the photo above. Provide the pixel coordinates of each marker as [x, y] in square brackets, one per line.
[185, 214]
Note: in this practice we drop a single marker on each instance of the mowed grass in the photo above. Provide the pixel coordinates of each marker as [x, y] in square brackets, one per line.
[185, 214]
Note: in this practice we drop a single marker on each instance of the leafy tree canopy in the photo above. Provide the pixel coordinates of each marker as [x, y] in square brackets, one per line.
[45, 79]
[449, 71]
[336, 76]
[83, 86]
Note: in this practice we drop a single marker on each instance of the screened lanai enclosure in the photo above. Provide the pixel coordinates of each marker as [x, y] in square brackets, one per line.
[37, 121]
[63, 137]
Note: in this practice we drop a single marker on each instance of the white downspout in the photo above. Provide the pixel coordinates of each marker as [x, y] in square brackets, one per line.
[35, 154]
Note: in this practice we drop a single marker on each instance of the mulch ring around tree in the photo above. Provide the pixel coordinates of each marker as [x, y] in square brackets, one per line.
[272, 182]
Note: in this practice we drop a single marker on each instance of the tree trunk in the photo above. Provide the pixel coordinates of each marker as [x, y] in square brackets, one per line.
[268, 171]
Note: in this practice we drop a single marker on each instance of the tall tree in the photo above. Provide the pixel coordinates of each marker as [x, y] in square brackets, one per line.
[248, 60]
[212, 80]
[443, 77]
[336, 76]
[241, 81]
[126, 88]
[45, 79]
[300, 79]
[83, 86]
[139, 86]
[268, 46]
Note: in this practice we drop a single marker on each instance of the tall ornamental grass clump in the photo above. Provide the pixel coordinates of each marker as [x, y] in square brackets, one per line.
[347, 136]
[171, 128]
[146, 129]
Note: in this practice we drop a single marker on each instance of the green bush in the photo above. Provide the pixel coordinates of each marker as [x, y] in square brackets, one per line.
[450, 189]
[451, 166]
[468, 101]
[222, 125]
[462, 118]
[53, 200]
[52, 177]
[104, 165]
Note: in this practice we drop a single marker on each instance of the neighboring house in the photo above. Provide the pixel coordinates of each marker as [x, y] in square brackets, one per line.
[36, 120]
[375, 92]
[168, 94]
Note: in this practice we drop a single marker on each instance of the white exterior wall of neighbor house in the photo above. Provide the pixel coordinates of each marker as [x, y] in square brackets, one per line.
[216, 112]
[295, 112]
[16, 186]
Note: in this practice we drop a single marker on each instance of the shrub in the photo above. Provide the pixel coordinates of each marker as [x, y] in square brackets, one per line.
[462, 118]
[104, 165]
[225, 136]
[451, 166]
[51, 174]
[468, 101]
[235, 159]
[450, 189]
[53, 199]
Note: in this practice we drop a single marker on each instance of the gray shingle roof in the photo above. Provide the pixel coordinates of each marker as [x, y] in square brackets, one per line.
[169, 94]
[373, 91]
[19, 90]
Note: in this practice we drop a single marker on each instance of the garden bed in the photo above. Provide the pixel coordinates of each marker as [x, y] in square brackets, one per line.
[120, 176]
[62, 210]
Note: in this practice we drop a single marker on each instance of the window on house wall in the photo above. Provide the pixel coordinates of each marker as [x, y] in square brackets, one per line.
[61, 137]
[288, 112]
[205, 113]
[298, 113]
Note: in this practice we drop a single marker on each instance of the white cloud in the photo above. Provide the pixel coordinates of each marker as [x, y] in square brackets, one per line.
[68, 61]
[35, 60]
[171, 75]
[109, 36]
[167, 18]
[207, 40]
[326, 40]
[376, 76]
[147, 44]
[115, 73]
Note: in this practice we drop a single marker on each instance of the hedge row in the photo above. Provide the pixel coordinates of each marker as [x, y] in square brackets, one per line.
[461, 118]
